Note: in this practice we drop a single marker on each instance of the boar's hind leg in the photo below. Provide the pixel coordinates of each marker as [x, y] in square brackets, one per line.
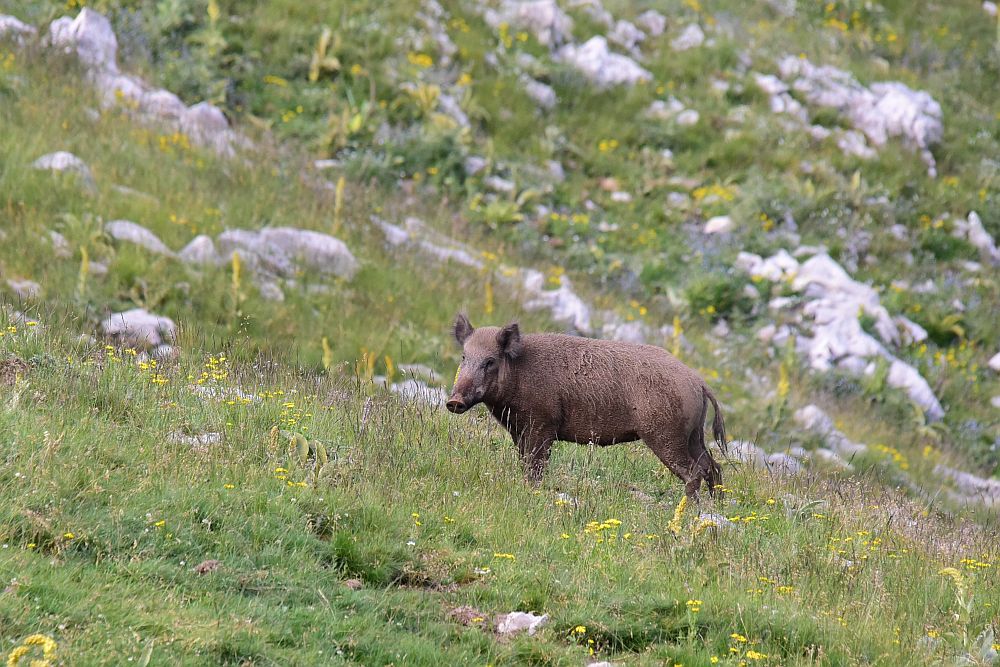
[708, 469]
[534, 445]
[672, 450]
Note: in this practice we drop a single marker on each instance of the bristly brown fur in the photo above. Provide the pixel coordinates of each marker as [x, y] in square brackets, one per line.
[547, 387]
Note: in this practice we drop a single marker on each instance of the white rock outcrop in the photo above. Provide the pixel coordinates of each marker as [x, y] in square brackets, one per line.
[880, 111]
[13, 28]
[520, 621]
[130, 232]
[139, 328]
[284, 251]
[63, 161]
[972, 230]
[652, 21]
[544, 19]
[812, 418]
[200, 250]
[91, 39]
[690, 38]
[599, 65]
[831, 334]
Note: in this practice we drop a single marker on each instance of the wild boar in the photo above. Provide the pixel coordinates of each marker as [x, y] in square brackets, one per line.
[546, 387]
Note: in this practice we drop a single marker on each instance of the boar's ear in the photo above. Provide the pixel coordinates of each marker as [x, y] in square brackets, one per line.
[462, 328]
[509, 340]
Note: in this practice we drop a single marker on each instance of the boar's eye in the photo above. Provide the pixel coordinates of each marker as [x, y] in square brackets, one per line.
[488, 364]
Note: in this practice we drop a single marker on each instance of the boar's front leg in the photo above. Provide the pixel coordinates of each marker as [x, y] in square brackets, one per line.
[534, 444]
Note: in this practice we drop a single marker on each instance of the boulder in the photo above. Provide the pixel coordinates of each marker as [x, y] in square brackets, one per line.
[201, 250]
[130, 232]
[691, 37]
[63, 161]
[881, 111]
[139, 328]
[281, 251]
[600, 66]
[541, 94]
[25, 290]
[519, 621]
[550, 25]
[626, 35]
[653, 22]
[994, 363]
[14, 29]
[90, 36]
[720, 224]
[417, 391]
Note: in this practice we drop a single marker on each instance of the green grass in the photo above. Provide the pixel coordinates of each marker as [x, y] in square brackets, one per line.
[88, 455]
[85, 429]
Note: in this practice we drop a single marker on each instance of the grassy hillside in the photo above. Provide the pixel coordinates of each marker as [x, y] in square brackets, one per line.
[161, 512]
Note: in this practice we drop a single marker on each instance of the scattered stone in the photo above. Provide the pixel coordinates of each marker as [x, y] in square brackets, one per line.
[501, 185]
[90, 36]
[626, 35]
[199, 441]
[600, 66]
[746, 453]
[972, 488]
[18, 31]
[881, 111]
[564, 304]
[720, 224]
[995, 401]
[474, 164]
[550, 25]
[519, 621]
[541, 93]
[139, 328]
[201, 250]
[207, 566]
[990, 8]
[653, 22]
[63, 161]
[721, 522]
[834, 303]
[281, 251]
[354, 584]
[420, 372]
[688, 117]
[25, 290]
[417, 391]
[783, 464]
[691, 37]
[97, 269]
[972, 229]
[164, 353]
[131, 232]
[813, 419]
[994, 362]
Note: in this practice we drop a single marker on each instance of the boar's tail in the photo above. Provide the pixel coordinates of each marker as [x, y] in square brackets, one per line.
[718, 424]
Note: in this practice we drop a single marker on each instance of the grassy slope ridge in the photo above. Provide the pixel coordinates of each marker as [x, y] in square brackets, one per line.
[105, 519]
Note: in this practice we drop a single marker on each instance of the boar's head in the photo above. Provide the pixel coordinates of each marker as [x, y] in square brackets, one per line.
[487, 355]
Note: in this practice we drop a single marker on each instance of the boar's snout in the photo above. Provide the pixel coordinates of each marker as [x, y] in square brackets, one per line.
[456, 405]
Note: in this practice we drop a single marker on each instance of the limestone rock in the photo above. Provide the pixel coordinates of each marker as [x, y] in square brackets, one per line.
[519, 621]
[25, 290]
[63, 161]
[14, 29]
[653, 22]
[200, 250]
[139, 328]
[550, 25]
[131, 232]
[692, 37]
[720, 224]
[600, 66]
[90, 36]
